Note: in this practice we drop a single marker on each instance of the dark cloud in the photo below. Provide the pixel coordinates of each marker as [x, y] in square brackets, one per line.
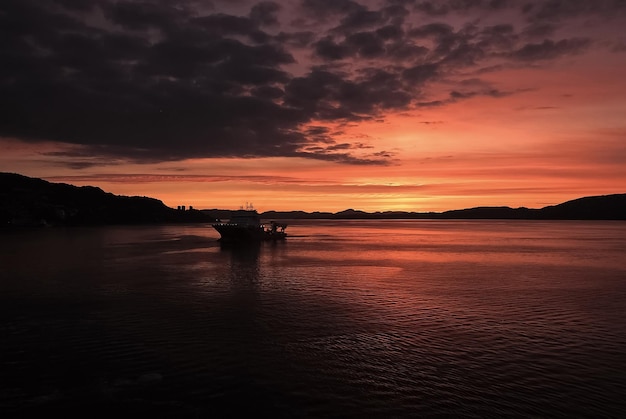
[539, 30]
[551, 10]
[533, 10]
[400, 2]
[390, 32]
[167, 80]
[443, 7]
[222, 24]
[318, 131]
[378, 159]
[437, 30]
[81, 5]
[329, 96]
[548, 49]
[264, 13]
[388, 41]
[406, 51]
[366, 44]
[433, 103]
[121, 94]
[420, 73]
[328, 49]
[296, 39]
[463, 55]
[325, 8]
[457, 95]
[268, 92]
[396, 13]
[142, 15]
[432, 8]
[361, 19]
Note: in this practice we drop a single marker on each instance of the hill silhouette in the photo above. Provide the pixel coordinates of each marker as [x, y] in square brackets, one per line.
[603, 207]
[26, 201]
[606, 207]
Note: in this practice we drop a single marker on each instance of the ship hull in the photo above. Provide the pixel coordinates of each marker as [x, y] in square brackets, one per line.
[243, 233]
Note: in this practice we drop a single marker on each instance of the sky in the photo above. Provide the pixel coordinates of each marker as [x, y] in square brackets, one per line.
[318, 105]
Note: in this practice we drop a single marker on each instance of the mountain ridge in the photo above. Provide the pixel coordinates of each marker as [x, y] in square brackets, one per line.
[600, 207]
[26, 201]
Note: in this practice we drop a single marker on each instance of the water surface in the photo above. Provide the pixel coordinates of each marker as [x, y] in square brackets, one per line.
[402, 318]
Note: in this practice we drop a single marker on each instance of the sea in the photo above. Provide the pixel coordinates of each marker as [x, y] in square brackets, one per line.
[345, 318]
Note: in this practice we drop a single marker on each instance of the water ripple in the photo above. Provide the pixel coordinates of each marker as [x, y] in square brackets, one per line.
[400, 319]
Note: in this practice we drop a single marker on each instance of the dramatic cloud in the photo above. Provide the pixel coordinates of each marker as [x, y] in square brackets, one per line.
[549, 49]
[265, 13]
[168, 80]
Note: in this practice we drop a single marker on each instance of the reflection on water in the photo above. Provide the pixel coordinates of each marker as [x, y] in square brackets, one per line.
[351, 318]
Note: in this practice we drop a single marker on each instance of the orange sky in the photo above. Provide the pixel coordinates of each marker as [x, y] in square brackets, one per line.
[547, 130]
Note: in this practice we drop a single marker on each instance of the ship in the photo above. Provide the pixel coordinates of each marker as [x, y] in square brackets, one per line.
[245, 226]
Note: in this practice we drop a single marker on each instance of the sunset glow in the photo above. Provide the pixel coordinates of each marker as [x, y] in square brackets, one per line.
[318, 105]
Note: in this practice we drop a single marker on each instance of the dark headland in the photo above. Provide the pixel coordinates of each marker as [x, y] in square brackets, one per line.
[26, 201]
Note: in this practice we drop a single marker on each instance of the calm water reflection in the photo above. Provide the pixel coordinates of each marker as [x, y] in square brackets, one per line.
[353, 318]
